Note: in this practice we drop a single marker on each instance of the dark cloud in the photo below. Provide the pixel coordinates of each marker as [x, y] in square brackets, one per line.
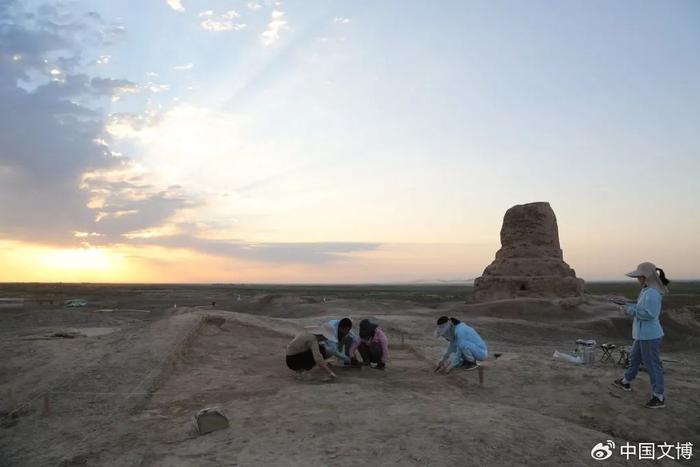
[131, 206]
[108, 86]
[50, 136]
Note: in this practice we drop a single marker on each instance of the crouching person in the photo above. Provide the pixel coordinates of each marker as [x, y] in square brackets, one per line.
[341, 344]
[373, 345]
[306, 351]
[466, 346]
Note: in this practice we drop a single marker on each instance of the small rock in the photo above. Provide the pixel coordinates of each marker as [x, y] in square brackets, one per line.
[210, 419]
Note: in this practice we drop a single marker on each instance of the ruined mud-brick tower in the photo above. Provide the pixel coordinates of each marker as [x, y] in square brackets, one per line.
[530, 262]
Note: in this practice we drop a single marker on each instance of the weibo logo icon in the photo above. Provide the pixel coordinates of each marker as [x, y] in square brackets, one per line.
[601, 451]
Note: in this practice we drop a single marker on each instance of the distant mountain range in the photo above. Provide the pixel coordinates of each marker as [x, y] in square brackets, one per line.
[444, 281]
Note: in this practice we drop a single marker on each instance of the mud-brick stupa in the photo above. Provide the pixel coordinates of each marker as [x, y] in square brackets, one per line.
[530, 262]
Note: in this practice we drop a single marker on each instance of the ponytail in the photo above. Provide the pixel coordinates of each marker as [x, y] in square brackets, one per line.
[455, 321]
[662, 276]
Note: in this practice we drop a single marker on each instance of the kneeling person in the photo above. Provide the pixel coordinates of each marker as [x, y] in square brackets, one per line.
[373, 344]
[306, 351]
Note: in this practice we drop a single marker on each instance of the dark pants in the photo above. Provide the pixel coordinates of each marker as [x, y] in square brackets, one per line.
[303, 361]
[371, 353]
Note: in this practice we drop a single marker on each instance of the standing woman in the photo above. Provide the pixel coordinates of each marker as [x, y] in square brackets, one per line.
[647, 332]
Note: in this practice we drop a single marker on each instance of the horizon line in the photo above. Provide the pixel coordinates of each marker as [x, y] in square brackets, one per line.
[464, 282]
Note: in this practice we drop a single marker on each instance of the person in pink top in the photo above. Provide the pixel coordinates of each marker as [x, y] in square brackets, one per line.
[373, 345]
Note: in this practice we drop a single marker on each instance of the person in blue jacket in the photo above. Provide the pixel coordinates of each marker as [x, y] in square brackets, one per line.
[342, 343]
[647, 332]
[466, 346]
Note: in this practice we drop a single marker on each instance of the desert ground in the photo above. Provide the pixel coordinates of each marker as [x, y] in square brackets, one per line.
[117, 382]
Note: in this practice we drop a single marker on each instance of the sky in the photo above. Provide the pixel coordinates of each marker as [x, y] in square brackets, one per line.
[338, 141]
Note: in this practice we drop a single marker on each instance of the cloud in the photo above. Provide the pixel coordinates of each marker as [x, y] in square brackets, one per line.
[53, 135]
[254, 6]
[61, 182]
[123, 202]
[119, 88]
[339, 20]
[157, 87]
[224, 22]
[102, 60]
[124, 125]
[176, 5]
[114, 87]
[277, 253]
[277, 24]
[207, 151]
[186, 66]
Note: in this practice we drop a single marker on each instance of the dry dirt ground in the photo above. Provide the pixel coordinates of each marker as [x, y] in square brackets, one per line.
[124, 389]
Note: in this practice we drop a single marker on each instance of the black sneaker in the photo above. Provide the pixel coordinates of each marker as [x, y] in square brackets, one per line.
[655, 403]
[470, 365]
[620, 385]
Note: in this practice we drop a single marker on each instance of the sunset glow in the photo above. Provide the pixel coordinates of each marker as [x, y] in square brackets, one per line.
[330, 141]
